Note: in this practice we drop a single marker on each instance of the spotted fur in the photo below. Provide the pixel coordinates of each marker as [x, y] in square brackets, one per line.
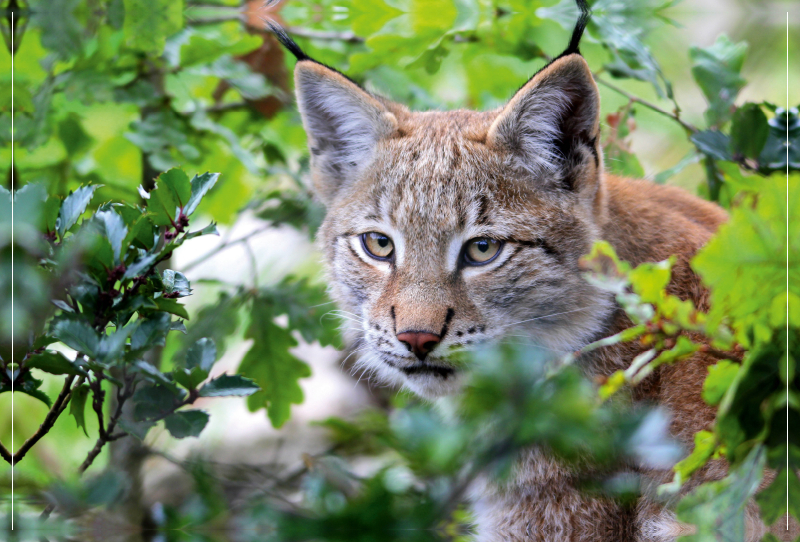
[531, 175]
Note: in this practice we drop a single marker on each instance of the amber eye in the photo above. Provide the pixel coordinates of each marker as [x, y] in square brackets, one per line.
[377, 245]
[482, 250]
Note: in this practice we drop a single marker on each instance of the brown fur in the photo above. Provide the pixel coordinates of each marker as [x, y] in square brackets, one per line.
[531, 175]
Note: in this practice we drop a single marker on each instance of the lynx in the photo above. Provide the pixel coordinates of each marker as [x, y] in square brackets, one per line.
[445, 230]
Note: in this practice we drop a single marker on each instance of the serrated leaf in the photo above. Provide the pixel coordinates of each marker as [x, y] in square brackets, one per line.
[201, 184]
[78, 335]
[713, 143]
[73, 207]
[211, 229]
[186, 423]
[227, 385]
[151, 402]
[148, 24]
[140, 266]
[202, 354]
[175, 281]
[189, 378]
[50, 213]
[306, 306]
[772, 500]
[54, 363]
[178, 325]
[113, 228]
[749, 130]
[172, 306]
[77, 406]
[151, 332]
[270, 364]
[716, 70]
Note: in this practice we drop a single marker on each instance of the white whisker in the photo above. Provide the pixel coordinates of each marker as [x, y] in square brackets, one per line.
[548, 316]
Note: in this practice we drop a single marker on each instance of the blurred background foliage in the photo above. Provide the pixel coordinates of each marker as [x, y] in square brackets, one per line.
[111, 93]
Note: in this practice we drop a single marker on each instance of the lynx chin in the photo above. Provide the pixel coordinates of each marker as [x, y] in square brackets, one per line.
[447, 229]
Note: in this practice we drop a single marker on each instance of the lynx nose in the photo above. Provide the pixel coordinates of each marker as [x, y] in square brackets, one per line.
[419, 342]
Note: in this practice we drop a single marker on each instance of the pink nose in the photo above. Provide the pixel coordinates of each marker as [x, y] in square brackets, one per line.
[419, 342]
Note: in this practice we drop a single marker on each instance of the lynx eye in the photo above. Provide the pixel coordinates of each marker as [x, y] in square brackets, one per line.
[482, 250]
[377, 245]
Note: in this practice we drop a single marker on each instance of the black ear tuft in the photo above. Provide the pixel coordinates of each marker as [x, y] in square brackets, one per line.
[286, 41]
[580, 26]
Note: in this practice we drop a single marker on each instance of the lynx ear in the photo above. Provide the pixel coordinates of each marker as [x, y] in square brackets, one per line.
[343, 123]
[551, 125]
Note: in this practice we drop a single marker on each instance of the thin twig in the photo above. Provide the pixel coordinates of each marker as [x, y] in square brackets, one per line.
[5, 454]
[55, 411]
[687, 126]
[347, 37]
[224, 246]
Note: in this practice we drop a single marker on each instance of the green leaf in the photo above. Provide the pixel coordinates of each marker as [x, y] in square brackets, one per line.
[73, 207]
[716, 70]
[77, 406]
[189, 378]
[113, 228]
[749, 130]
[273, 368]
[186, 423]
[151, 402]
[172, 306]
[139, 266]
[29, 386]
[201, 184]
[151, 332]
[772, 500]
[704, 445]
[50, 213]
[716, 509]
[148, 23]
[202, 354]
[78, 335]
[54, 363]
[227, 385]
[745, 263]
[211, 229]
[719, 379]
[73, 136]
[307, 306]
[713, 143]
[175, 282]
[172, 191]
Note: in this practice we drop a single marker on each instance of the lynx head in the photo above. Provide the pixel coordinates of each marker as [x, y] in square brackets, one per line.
[448, 229]
[445, 230]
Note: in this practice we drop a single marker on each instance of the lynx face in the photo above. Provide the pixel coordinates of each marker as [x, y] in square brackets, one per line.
[448, 229]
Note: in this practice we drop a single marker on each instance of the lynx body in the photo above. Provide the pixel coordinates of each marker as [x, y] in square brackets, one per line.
[448, 229]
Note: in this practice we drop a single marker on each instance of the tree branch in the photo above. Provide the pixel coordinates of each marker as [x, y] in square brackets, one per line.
[224, 246]
[55, 411]
[5, 454]
[687, 126]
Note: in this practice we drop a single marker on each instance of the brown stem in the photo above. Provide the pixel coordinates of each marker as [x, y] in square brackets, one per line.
[688, 127]
[55, 411]
[5, 454]
[106, 434]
